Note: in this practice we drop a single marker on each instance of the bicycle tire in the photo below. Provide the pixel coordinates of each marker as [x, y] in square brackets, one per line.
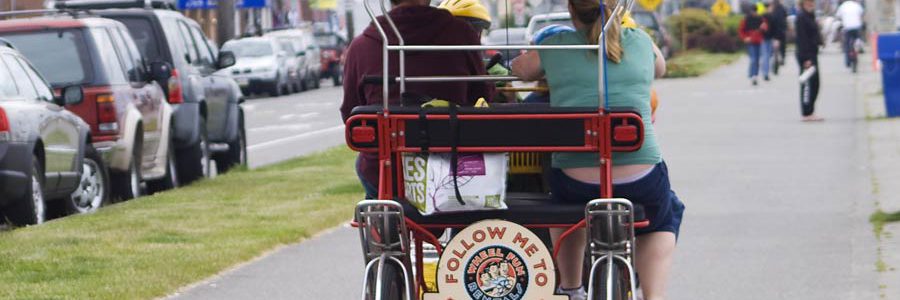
[391, 284]
[621, 282]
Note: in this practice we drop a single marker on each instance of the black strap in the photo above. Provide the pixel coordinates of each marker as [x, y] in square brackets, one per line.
[423, 130]
[454, 157]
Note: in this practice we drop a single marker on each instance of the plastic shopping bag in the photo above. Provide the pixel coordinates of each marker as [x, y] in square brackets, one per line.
[481, 178]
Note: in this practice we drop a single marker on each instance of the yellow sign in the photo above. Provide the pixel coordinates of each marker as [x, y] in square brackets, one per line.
[650, 5]
[496, 259]
[323, 4]
[720, 8]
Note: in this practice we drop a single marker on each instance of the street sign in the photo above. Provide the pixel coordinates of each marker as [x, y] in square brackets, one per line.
[720, 8]
[196, 4]
[323, 4]
[250, 3]
[650, 5]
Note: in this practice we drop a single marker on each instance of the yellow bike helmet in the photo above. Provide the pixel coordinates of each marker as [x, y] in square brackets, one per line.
[471, 10]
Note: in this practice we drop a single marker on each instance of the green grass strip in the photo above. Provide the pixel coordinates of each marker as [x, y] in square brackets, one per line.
[695, 63]
[150, 247]
[879, 218]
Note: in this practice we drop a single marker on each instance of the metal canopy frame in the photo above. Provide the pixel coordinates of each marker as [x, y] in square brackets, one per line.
[620, 7]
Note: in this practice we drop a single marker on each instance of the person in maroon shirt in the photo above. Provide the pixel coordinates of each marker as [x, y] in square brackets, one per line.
[419, 24]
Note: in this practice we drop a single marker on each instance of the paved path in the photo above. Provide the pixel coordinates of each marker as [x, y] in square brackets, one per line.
[776, 208]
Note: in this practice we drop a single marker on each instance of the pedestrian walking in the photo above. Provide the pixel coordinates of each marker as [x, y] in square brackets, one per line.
[850, 13]
[776, 18]
[751, 30]
[809, 39]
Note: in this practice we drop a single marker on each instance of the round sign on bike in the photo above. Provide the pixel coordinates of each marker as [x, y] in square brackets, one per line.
[495, 259]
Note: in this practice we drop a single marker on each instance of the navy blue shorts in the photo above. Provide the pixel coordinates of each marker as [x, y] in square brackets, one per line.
[661, 206]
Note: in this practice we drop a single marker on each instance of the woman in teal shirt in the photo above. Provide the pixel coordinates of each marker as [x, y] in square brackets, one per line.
[642, 177]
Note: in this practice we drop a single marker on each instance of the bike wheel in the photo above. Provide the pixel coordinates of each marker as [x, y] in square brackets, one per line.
[617, 279]
[392, 284]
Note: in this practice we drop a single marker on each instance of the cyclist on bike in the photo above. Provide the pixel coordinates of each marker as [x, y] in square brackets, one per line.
[642, 176]
[850, 13]
[419, 24]
[474, 13]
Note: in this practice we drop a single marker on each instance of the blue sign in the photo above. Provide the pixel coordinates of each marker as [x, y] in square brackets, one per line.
[196, 4]
[251, 3]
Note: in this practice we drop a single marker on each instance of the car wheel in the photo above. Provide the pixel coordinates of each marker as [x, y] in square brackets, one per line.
[93, 187]
[31, 209]
[127, 185]
[237, 152]
[170, 180]
[275, 91]
[193, 162]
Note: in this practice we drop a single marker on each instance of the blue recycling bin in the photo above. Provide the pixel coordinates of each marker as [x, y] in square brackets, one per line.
[889, 54]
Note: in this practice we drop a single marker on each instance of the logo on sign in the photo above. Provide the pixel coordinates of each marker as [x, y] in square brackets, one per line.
[496, 272]
[495, 260]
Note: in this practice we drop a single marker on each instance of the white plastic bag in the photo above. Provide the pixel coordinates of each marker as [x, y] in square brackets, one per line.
[481, 178]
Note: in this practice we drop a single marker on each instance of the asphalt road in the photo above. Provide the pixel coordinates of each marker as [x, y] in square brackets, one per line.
[292, 125]
[776, 208]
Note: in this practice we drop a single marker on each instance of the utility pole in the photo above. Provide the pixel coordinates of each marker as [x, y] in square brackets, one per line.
[225, 20]
[348, 9]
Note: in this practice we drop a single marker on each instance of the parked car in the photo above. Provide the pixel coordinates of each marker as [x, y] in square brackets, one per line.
[125, 107]
[332, 46]
[651, 22]
[45, 150]
[295, 64]
[307, 49]
[540, 21]
[262, 65]
[208, 120]
[505, 36]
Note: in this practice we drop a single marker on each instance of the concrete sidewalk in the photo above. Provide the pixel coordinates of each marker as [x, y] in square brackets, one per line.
[884, 161]
[776, 208]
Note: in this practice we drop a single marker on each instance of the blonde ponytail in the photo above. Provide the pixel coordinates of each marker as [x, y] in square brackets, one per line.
[588, 12]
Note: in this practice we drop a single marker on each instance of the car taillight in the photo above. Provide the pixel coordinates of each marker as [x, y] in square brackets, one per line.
[4, 126]
[106, 114]
[175, 95]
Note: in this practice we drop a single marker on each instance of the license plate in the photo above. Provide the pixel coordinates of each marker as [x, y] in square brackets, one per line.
[243, 81]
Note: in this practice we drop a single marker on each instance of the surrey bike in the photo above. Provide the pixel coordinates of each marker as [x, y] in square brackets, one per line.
[494, 254]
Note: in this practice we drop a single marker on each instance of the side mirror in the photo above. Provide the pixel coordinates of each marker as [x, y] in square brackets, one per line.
[70, 95]
[160, 72]
[226, 59]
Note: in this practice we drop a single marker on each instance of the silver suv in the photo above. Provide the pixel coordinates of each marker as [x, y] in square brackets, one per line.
[208, 122]
[45, 150]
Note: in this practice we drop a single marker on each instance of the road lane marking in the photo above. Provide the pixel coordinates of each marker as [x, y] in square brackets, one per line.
[296, 137]
[291, 127]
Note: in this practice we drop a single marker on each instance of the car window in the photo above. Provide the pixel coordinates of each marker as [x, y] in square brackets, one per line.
[141, 30]
[287, 46]
[205, 56]
[212, 49]
[107, 50]
[61, 55]
[249, 48]
[23, 84]
[7, 84]
[191, 51]
[43, 91]
[125, 59]
[135, 55]
[176, 42]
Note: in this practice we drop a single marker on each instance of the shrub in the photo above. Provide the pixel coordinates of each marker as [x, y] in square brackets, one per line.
[717, 42]
[694, 21]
